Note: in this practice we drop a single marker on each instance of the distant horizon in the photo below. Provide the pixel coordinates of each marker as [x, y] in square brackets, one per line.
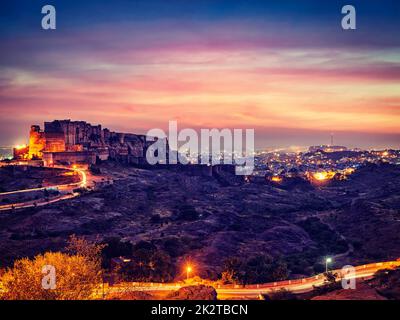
[323, 137]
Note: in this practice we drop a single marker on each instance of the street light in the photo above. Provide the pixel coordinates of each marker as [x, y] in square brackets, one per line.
[327, 260]
[188, 271]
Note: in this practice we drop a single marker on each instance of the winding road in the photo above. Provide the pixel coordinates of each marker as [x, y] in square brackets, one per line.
[66, 192]
[255, 291]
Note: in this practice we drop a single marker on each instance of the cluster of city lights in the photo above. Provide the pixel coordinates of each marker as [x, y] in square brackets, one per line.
[276, 179]
[323, 175]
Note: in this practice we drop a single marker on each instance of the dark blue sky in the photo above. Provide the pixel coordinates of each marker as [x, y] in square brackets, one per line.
[22, 15]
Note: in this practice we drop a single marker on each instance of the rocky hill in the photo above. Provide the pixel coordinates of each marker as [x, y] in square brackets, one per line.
[384, 286]
[198, 217]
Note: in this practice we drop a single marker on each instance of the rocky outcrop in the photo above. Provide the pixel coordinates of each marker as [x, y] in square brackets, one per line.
[133, 295]
[362, 292]
[201, 292]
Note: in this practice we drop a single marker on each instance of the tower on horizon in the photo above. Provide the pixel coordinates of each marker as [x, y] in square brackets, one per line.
[332, 139]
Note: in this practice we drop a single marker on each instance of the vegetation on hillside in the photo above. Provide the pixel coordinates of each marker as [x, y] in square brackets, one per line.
[76, 274]
[260, 268]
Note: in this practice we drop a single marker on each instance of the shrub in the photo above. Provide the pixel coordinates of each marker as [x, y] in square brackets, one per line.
[282, 294]
[76, 278]
[187, 212]
[114, 247]
[256, 269]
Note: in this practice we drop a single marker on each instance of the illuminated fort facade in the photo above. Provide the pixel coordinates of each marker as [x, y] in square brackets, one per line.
[68, 142]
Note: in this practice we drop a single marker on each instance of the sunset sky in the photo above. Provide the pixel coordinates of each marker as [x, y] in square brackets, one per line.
[285, 68]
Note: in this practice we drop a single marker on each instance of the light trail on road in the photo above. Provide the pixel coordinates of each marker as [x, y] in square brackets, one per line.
[255, 291]
[34, 203]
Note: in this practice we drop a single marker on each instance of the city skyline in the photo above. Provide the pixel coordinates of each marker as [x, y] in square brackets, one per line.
[206, 66]
[308, 139]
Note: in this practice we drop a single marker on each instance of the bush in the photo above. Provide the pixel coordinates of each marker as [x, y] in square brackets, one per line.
[175, 247]
[328, 241]
[149, 265]
[263, 268]
[155, 218]
[95, 170]
[199, 292]
[81, 190]
[187, 212]
[144, 245]
[257, 269]
[387, 283]
[114, 247]
[281, 294]
[76, 278]
[319, 268]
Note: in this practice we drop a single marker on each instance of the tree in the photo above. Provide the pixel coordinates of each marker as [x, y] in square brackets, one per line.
[330, 278]
[260, 268]
[228, 277]
[90, 251]
[387, 283]
[114, 247]
[155, 218]
[175, 246]
[76, 277]
[187, 212]
[319, 267]
[232, 271]
[330, 284]
[149, 264]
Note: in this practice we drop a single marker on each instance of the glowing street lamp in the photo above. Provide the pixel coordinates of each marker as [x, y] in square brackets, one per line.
[188, 271]
[327, 260]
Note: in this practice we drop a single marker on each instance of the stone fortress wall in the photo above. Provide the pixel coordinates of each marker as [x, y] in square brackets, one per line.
[66, 142]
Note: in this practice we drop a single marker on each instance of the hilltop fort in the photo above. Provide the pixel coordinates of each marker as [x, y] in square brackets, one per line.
[78, 142]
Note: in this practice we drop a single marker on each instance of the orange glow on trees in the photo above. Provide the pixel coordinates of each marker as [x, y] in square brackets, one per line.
[76, 278]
